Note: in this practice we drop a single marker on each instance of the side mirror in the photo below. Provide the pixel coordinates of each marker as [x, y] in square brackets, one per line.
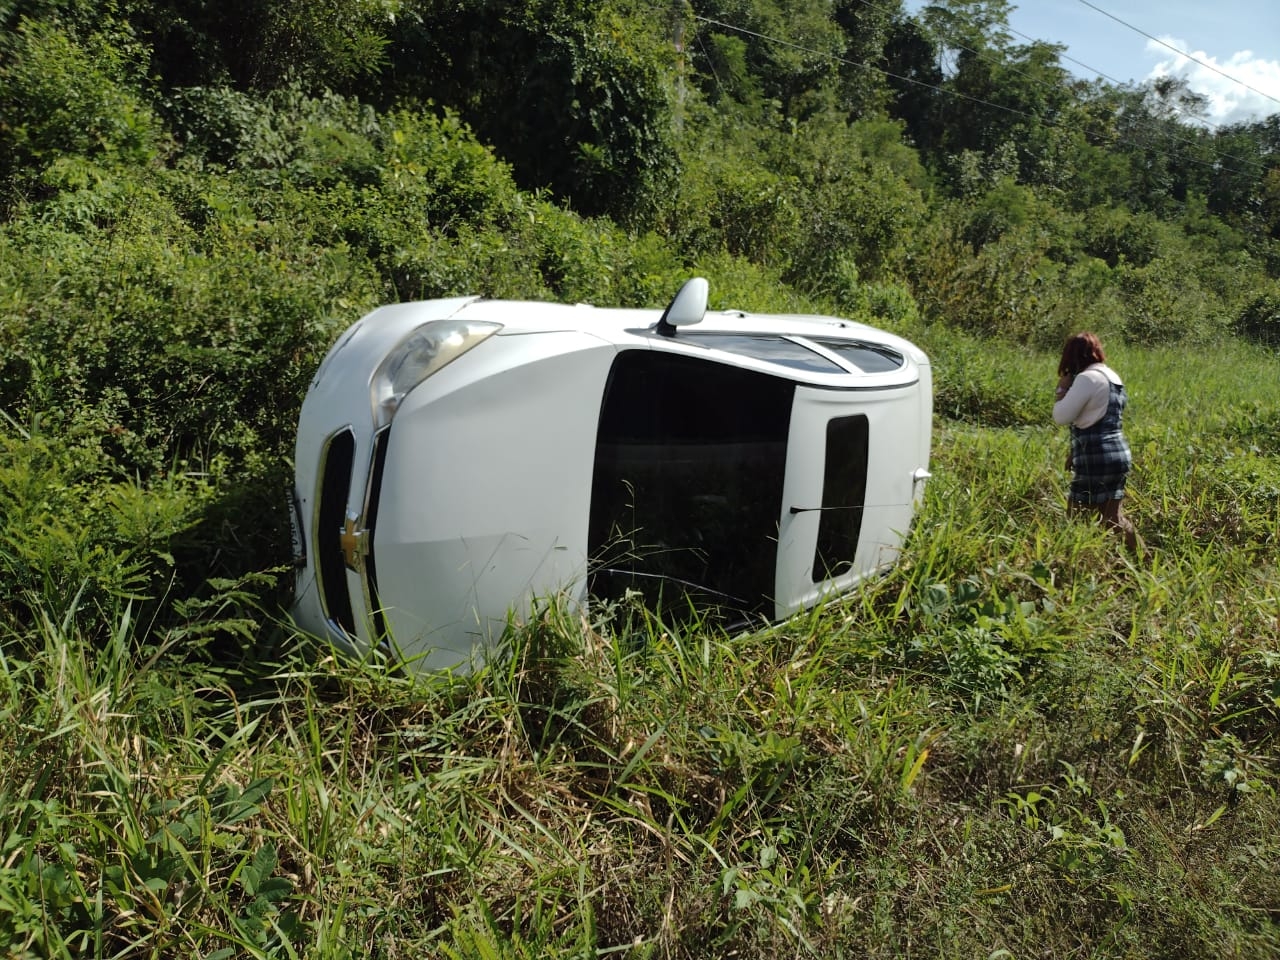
[688, 306]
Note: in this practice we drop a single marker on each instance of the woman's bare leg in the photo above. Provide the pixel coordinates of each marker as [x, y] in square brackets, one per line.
[1113, 516]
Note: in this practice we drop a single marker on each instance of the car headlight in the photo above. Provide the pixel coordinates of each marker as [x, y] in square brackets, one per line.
[423, 352]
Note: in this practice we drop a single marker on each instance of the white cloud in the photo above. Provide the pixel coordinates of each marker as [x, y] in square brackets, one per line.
[1241, 88]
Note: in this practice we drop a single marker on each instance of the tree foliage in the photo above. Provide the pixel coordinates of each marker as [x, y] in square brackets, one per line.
[576, 96]
[67, 100]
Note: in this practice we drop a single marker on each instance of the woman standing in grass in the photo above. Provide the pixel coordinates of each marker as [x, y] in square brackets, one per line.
[1091, 397]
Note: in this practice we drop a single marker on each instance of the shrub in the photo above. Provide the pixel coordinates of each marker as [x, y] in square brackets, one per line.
[1165, 302]
[304, 140]
[71, 531]
[64, 98]
[1118, 236]
[1008, 289]
[984, 381]
[1259, 321]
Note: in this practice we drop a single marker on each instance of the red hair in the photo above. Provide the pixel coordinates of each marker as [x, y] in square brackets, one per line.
[1081, 350]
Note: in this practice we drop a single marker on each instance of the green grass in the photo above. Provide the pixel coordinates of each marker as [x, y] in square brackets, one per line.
[1021, 742]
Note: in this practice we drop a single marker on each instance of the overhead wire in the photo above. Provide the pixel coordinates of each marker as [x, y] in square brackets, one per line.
[1062, 55]
[865, 66]
[1196, 120]
[1257, 166]
[1181, 53]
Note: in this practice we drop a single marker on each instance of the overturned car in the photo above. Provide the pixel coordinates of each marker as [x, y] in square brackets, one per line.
[459, 459]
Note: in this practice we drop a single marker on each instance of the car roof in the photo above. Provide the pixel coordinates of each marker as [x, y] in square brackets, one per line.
[622, 325]
[822, 351]
[536, 316]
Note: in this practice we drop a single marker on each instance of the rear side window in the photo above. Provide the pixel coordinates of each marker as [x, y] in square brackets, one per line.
[687, 487]
[779, 350]
[844, 488]
[869, 358]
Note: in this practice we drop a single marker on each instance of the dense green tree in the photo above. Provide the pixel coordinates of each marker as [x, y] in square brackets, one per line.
[1242, 191]
[965, 88]
[76, 18]
[749, 129]
[792, 50]
[915, 80]
[864, 81]
[966, 26]
[577, 96]
[1170, 154]
[263, 44]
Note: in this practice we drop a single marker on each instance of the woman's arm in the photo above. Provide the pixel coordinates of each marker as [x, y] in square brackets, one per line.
[1071, 401]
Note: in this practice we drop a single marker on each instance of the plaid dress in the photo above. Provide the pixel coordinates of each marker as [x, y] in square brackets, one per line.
[1100, 457]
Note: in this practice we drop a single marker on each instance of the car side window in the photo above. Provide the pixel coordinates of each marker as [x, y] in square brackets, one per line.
[869, 358]
[687, 486]
[780, 350]
[844, 487]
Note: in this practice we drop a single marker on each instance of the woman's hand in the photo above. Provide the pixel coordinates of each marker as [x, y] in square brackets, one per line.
[1064, 384]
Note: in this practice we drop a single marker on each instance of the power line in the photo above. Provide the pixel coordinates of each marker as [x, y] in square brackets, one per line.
[1123, 83]
[1062, 55]
[864, 66]
[1219, 166]
[1181, 53]
[1256, 165]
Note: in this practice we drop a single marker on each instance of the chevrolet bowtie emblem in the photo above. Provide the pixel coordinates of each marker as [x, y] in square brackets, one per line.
[353, 540]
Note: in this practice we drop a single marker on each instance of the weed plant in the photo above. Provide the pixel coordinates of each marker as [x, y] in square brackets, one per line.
[1021, 741]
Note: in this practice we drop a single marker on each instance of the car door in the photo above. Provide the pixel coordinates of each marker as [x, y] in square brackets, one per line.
[853, 462]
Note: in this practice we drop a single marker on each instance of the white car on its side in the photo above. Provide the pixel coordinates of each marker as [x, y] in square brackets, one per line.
[458, 460]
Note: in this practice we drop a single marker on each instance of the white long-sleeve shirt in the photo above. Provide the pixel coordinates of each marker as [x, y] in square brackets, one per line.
[1085, 403]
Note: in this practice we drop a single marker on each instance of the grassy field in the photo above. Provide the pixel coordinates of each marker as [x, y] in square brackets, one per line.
[1022, 742]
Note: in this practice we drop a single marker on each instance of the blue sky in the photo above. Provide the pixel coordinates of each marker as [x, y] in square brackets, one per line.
[1236, 41]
